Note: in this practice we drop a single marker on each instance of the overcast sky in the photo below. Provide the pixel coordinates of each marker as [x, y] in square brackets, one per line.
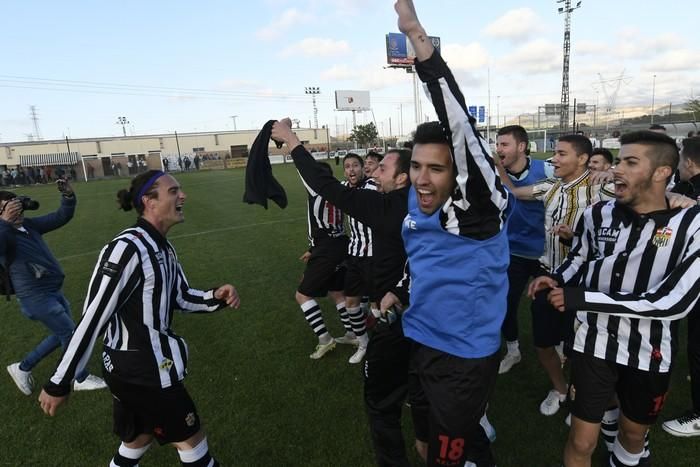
[190, 66]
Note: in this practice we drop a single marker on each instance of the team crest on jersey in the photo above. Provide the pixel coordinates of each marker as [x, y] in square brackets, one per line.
[166, 364]
[190, 419]
[159, 257]
[662, 237]
[608, 234]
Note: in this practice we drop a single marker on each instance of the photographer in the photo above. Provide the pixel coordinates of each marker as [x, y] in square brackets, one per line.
[37, 279]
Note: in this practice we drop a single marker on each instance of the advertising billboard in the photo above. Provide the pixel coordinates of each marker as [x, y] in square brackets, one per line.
[352, 100]
[399, 51]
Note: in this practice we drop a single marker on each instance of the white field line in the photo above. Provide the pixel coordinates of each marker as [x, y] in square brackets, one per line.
[195, 234]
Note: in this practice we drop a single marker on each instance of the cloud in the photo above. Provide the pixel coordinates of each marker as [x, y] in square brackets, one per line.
[586, 47]
[289, 18]
[674, 60]
[535, 57]
[469, 57]
[338, 73]
[317, 47]
[515, 24]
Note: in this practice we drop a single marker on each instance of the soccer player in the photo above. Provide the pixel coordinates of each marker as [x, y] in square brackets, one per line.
[136, 286]
[358, 277]
[632, 274]
[372, 160]
[38, 279]
[455, 238]
[601, 160]
[565, 199]
[525, 230]
[386, 361]
[324, 272]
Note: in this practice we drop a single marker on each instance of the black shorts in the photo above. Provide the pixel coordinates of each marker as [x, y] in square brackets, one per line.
[359, 276]
[450, 395]
[168, 414]
[325, 271]
[641, 393]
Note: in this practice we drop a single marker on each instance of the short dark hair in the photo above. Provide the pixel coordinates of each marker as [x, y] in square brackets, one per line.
[352, 155]
[374, 155]
[518, 133]
[403, 162]
[580, 143]
[603, 152]
[656, 126]
[430, 132]
[691, 149]
[127, 198]
[664, 148]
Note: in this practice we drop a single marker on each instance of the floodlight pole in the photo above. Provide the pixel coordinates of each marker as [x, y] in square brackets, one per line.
[123, 121]
[313, 91]
[567, 9]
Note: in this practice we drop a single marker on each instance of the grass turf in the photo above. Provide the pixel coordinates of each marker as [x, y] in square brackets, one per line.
[261, 399]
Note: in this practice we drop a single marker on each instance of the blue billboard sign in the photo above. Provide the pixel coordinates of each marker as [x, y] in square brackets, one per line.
[399, 50]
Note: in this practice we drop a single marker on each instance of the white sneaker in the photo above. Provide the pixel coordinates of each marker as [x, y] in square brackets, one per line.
[567, 420]
[552, 402]
[358, 355]
[349, 338]
[511, 359]
[488, 428]
[322, 349]
[90, 383]
[23, 379]
[686, 426]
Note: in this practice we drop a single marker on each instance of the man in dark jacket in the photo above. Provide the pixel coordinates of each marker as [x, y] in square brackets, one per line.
[37, 279]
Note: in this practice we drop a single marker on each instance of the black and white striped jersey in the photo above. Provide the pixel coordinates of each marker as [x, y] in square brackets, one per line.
[477, 207]
[135, 287]
[360, 244]
[324, 219]
[631, 278]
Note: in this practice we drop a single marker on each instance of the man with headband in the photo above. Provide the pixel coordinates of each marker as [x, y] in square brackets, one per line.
[135, 288]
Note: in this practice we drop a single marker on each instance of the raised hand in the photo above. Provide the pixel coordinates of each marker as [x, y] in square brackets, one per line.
[408, 19]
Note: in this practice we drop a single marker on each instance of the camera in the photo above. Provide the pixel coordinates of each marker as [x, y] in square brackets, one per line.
[28, 204]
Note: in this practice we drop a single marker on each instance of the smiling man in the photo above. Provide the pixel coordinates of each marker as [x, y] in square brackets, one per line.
[632, 274]
[136, 286]
[455, 238]
[359, 271]
[565, 198]
[525, 230]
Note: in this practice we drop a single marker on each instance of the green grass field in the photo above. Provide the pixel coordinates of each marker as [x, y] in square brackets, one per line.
[262, 400]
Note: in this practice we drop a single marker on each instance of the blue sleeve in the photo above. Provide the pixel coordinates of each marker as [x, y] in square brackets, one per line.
[54, 220]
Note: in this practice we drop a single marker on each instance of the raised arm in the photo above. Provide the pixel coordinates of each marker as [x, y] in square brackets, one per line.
[367, 206]
[480, 197]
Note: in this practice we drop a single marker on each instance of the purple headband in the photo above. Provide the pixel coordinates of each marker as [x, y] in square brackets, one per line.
[147, 185]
